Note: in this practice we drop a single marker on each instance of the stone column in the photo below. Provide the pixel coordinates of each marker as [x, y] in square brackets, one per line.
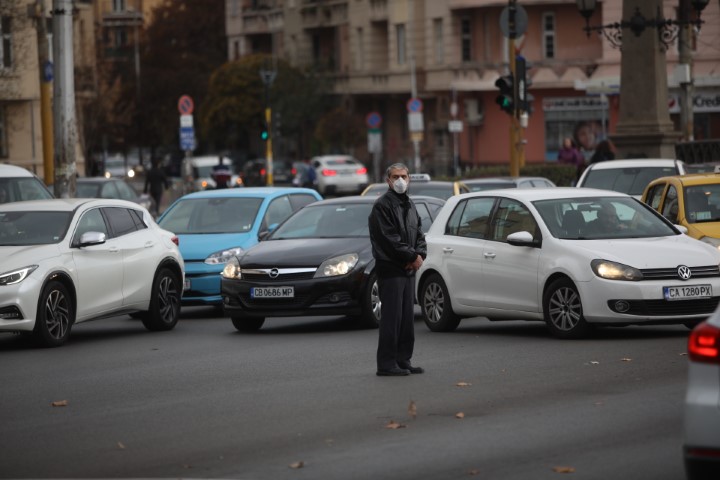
[644, 127]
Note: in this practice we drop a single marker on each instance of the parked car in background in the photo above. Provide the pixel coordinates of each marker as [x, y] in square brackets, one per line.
[120, 167]
[492, 183]
[18, 184]
[67, 261]
[319, 262]
[570, 257]
[692, 201]
[701, 442]
[113, 187]
[432, 188]
[339, 174]
[202, 172]
[254, 172]
[216, 225]
[629, 176]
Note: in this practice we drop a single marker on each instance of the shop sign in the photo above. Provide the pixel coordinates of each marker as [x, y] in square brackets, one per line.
[703, 102]
[573, 103]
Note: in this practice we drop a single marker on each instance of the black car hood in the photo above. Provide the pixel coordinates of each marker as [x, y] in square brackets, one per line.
[306, 252]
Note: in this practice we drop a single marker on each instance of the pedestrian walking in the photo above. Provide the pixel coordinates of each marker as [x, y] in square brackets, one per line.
[399, 248]
[156, 182]
[309, 175]
[569, 154]
[603, 152]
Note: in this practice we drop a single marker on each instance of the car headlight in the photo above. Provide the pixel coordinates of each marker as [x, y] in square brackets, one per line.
[337, 266]
[221, 257]
[232, 269]
[715, 242]
[615, 271]
[16, 276]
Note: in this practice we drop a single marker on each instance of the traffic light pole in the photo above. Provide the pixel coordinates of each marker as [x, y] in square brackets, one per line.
[515, 134]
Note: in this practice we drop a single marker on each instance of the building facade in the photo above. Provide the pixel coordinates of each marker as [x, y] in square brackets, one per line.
[450, 53]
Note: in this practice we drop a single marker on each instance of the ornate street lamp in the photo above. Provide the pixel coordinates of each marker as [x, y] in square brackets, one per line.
[667, 28]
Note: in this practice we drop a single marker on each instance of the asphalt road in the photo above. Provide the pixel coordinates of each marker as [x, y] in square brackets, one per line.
[300, 400]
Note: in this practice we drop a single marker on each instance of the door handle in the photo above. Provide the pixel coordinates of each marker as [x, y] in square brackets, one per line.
[113, 249]
[488, 255]
[149, 244]
[448, 250]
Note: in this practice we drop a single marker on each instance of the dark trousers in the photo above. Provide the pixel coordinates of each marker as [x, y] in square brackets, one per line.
[396, 334]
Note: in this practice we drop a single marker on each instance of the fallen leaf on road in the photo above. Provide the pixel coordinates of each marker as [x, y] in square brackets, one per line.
[563, 469]
[684, 353]
[474, 471]
[412, 409]
[60, 403]
[297, 465]
[121, 446]
[460, 415]
[463, 384]
[626, 359]
[393, 425]
[594, 362]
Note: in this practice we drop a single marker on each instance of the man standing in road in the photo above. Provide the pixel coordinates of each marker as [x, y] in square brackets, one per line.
[157, 183]
[399, 248]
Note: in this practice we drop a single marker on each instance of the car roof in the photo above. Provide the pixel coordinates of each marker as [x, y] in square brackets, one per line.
[99, 179]
[7, 170]
[532, 194]
[346, 200]
[63, 204]
[690, 179]
[635, 162]
[248, 192]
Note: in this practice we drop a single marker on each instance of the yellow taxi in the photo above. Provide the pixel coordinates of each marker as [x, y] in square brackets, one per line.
[692, 201]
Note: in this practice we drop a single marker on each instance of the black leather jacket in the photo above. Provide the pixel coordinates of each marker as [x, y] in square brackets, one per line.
[395, 234]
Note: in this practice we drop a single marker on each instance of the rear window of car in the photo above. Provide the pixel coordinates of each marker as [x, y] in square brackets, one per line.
[631, 180]
[439, 191]
[337, 162]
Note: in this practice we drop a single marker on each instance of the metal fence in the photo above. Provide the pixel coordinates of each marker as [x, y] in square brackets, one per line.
[701, 151]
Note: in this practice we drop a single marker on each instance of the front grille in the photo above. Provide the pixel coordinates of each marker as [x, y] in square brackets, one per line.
[672, 274]
[284, 274]
[658, 308]
[295, 302]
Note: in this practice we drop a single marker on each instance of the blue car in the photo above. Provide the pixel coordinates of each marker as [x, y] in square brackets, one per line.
[216, 225]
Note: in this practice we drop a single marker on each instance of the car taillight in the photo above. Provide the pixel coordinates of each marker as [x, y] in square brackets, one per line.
[704, 344]
[328, 173]
[262, 172]
[175, 240]
[293, 171]
[361, 171]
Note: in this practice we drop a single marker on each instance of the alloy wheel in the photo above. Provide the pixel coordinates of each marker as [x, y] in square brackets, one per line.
[565, 308]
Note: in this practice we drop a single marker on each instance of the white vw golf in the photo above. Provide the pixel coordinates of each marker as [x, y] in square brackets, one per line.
[570, 257]
[66, 261]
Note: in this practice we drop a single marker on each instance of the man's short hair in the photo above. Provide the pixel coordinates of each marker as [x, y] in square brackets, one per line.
[396, 166]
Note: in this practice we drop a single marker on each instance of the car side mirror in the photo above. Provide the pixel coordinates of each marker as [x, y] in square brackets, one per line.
[91, 238]
[521, 239]
[682, 229]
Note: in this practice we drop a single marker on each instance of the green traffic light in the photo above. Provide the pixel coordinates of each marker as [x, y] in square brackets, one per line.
[264, 135]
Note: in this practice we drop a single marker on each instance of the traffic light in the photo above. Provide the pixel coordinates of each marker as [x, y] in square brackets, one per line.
[506, 98]
[264, 133]
[524, 97]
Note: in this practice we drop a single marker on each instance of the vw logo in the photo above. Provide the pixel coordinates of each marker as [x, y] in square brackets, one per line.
[274, 273]
[684, 272]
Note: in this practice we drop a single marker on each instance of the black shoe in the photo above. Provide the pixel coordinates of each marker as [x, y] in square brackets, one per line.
[414, 370]
[393, 372]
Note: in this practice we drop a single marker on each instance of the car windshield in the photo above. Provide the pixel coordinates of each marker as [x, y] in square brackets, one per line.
[702, 203]
[593, 218]
[326, 221]
[431, 190]
[33, 228]
[211, 215]
[631, 180]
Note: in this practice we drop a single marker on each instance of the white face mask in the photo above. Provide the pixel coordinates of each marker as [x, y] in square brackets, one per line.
[400, 186]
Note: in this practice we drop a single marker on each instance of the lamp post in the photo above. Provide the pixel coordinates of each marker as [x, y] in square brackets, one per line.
[644, 127]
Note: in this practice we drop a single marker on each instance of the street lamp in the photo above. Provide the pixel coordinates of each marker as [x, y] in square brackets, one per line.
[667, 28]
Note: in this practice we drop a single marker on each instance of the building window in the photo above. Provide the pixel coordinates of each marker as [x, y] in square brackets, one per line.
[400, 35]
[6, 46]
[236, 50]
[118, 5]
[3, 134]
[548, 35]
[438, 38]
[466, 39]
[360, 58]
[119, 38]
[234, 8]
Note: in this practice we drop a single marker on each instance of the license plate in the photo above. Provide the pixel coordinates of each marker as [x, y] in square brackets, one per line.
[272, 292]
[186, 285]
[687, 292]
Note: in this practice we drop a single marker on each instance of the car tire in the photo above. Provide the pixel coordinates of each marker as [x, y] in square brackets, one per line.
[164, 302]
[370, 304]
[563, 312]
[247, 324]
[436, 306]
[701, 469]
[55, 315]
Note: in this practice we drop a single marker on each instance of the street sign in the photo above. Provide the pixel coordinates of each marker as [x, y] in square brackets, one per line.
[373, 120]
[415, 122]
[186, 105]
[414, 105]
[455, 126]
[374, 142]
[186, 120]
[187, 138]
[521, 22]
[48, 71]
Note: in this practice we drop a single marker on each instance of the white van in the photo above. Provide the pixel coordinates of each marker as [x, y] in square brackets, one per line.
[202, 169]
[629, 176]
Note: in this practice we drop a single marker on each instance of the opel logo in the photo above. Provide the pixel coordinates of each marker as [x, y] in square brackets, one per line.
[684, 272]
[274, 273]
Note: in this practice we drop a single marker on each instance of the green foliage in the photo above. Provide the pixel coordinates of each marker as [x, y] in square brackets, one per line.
[561, 175]
[339, 131]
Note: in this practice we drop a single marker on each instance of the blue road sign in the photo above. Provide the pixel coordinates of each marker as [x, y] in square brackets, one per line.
[48, 71]
[373, 120]
[187, 138]
[414, 105]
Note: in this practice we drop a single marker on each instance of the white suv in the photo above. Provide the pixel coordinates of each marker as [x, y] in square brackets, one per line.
[18, 184]
[340, 174]
[629, 176]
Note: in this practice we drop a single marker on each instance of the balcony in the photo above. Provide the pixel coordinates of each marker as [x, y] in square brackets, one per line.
[125, 18]
[315, 14]
[378, 10]
[256, 21]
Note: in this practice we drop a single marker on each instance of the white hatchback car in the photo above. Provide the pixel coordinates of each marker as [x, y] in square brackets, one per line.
[571, 257]
[629, 176]
[66, 261]
[339, 174]
[702, 402]
[18, 184]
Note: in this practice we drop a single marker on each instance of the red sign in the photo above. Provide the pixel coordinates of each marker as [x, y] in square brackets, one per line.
[186, 105]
